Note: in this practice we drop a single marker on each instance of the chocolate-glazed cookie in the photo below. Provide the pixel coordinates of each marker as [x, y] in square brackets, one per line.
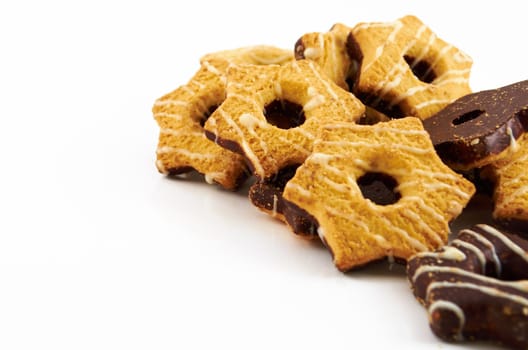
[267, 196]
[475, 288]
[477, 128]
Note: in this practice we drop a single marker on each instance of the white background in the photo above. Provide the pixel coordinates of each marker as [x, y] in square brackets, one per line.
[100, 251]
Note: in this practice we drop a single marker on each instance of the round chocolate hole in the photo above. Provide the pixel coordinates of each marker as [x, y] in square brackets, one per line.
[421, 69]
[467, 117]
[207, 114]
[380, 188]
[284, 114]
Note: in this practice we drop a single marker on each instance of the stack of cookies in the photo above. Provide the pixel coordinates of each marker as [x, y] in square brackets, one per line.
[368, 138]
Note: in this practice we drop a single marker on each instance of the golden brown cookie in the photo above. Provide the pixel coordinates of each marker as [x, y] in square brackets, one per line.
[272, 113]
[378, 191]
[404, 69]
[510, 178]
[329, 51]
[180, 114]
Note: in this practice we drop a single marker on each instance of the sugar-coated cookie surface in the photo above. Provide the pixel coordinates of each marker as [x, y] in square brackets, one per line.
[475, 288]
[378, 191]
[180, 114]
[404, 69]
[272, 113]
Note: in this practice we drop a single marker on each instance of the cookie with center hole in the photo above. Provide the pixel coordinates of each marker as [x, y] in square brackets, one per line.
[272, 113]
[181, 114]
[480, 128]
[405, 69]
[378, 191]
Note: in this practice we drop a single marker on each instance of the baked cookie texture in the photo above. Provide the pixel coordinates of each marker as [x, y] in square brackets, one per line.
[480, 128]
[180, 114]
[329, 51]
[378, 191]
[404, 69]
[475, 288]
[510, 190]
[272, 113]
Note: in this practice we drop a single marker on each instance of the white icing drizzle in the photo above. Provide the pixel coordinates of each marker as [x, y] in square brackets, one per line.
[250, 122]
[175, 116]
[509, 243]
[162, 103]
[257, 58]
[305, 133]
[448, 253]
[520, 192]
[455, 309]
[180, 132]
[435, 187]
[407, 148]
[416, 244]
[315, 101]
[474, 249]
[320, 233]
[312, 53]
[382, 241]
[514, 146]
[430, 210]
[161, 167]
[209, 178]
[397, 26]
[299, 148]
[247, 100]
[505, 168]
[417, 219]
[486, 242]
[185, 152]
[295, 188]
[392, 79]
[491, 291]
[438, 101]
[212, 69]
[248, 152]
[461, 57]
[199, 84]
[521, 286]
[350, 217]
[378, 129]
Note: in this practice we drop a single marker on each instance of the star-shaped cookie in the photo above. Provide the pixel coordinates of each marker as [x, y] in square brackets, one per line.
[378, 191]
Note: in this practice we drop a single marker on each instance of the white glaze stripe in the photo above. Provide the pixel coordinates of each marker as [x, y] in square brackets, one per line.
[511, 245]
[491, 291]
[486, 242]
[248, 152]
[455, 309]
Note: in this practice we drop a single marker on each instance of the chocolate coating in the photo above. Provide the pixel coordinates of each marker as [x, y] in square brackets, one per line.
[479, 125]
[476, 288]
[267, 195]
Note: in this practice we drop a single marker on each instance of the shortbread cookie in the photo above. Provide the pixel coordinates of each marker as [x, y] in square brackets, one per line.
[479, 128]
[378, 191]
[272, 113]
[329, 51]
[509, 176]
[476, 288]
[404, 69]
[181, 114]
